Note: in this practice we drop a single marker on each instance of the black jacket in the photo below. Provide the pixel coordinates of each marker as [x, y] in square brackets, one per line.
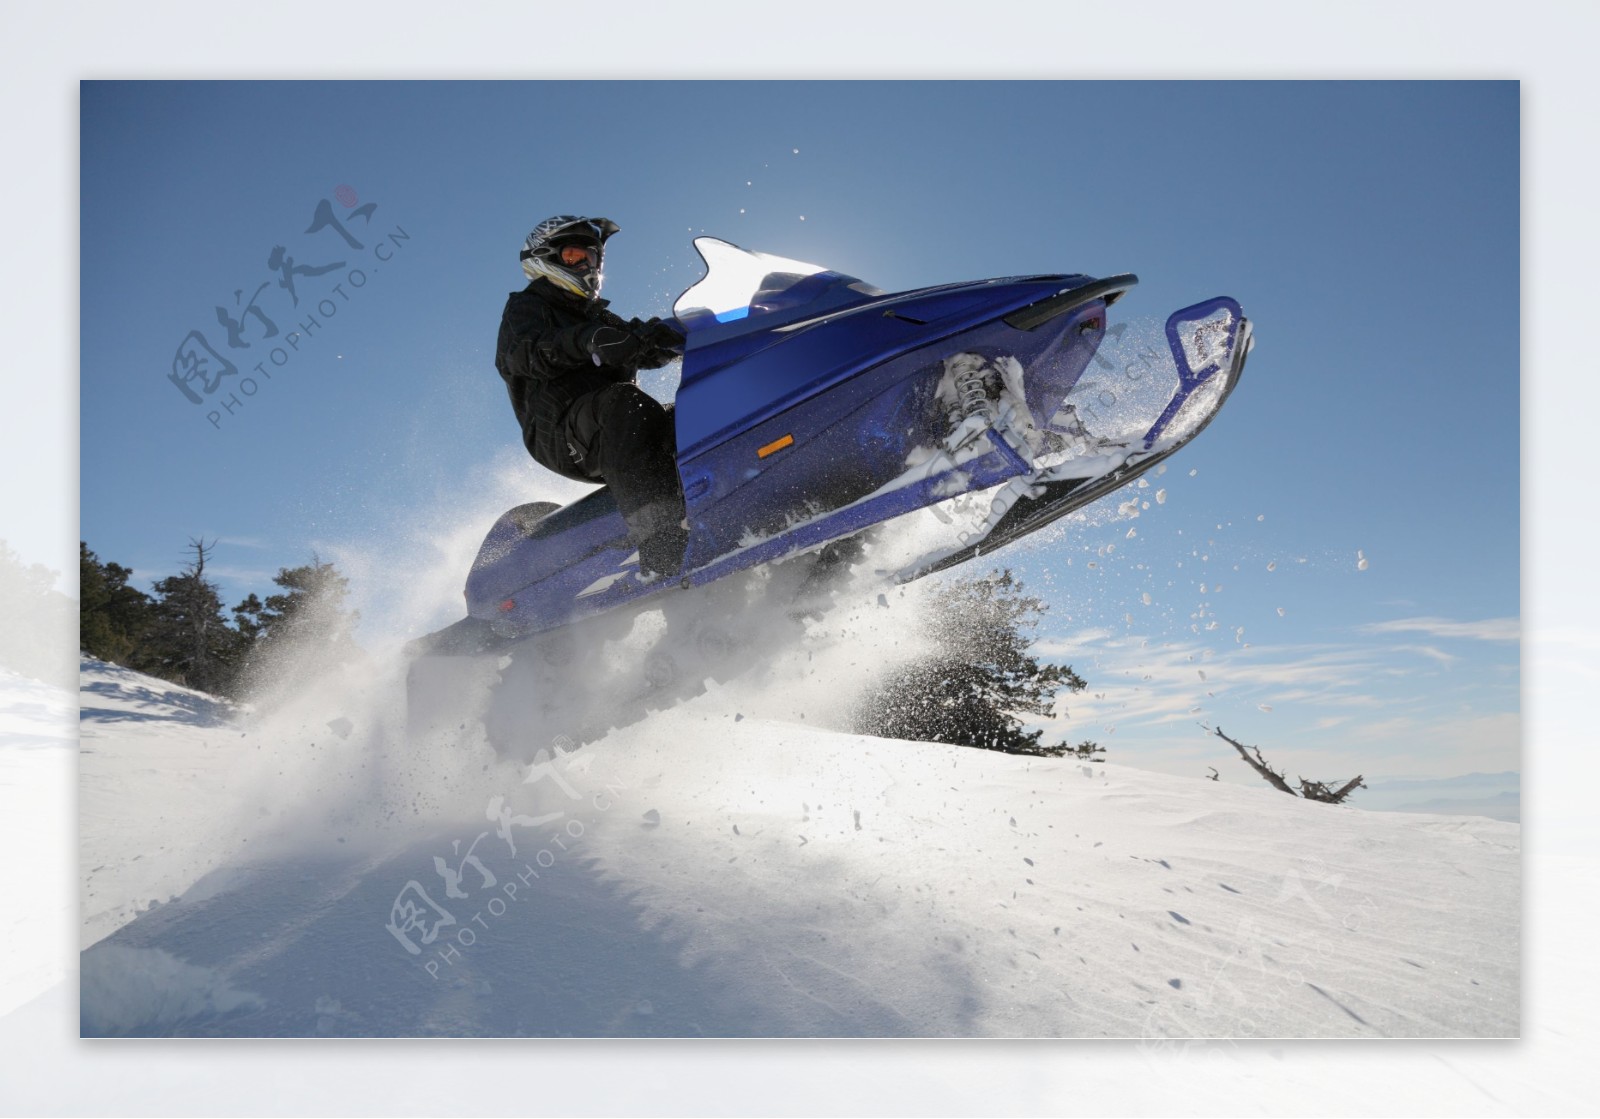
[543, 357]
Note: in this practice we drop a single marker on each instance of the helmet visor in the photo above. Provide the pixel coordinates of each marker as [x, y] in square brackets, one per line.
[574, 255]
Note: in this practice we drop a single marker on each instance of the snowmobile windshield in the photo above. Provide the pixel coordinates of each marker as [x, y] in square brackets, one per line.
[740, 285]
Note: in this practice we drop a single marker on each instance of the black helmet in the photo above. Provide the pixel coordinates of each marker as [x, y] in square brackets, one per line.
[568, 251]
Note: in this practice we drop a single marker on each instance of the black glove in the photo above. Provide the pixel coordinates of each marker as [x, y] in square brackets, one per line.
[665, 342]
[614, 345]
[640, 345]
[659, 335]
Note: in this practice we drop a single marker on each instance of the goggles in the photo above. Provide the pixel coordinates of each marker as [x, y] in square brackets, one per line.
[574, 255]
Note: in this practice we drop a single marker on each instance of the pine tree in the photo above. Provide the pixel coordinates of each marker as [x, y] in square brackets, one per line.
[37, 621]
[311, 605]
[190, 641]
[247, 618]
[303, 629]
[977, 677]
[113, 618]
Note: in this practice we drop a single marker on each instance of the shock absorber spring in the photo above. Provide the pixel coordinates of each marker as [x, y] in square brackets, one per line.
[972, 389]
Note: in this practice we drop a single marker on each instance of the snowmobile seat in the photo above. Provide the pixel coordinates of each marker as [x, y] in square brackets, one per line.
[564, 533]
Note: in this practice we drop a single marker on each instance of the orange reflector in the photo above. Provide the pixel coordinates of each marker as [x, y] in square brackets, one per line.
[775, 446]
[507, 605]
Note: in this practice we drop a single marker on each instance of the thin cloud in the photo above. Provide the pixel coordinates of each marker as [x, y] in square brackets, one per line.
[240, 574]
[1433, 652]
[1489, 629]
[1343, 707]
[1081, 642]
[1134, 681]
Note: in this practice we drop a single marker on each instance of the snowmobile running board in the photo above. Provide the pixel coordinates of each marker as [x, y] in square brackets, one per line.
[1061, 496]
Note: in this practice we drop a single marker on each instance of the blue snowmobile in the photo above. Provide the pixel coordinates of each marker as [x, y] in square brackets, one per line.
[811, 408]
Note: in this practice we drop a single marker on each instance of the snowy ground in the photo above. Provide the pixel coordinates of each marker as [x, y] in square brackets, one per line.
[154, 794]
[36, 774]
[712, 874]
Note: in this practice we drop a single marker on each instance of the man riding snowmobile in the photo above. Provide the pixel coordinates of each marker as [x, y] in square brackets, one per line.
[812, 408]
[569, 364]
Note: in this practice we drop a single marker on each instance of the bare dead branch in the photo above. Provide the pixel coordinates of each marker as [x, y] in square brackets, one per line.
[1257, 763]
[1309, 790]
[1317, 790]
[1349, 787]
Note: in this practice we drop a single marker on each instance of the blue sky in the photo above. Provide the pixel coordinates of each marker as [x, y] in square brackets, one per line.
[1371, 230]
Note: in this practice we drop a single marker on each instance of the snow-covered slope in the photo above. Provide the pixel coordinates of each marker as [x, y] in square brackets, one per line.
[707, 873]
[159, 767]
[36, 771]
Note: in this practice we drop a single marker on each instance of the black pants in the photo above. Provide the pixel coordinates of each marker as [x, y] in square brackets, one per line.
[626, 438]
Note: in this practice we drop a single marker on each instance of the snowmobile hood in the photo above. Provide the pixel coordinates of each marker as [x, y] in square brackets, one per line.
[835, 325]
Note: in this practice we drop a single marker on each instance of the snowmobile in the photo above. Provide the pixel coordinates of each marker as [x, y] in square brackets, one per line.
[811, 408]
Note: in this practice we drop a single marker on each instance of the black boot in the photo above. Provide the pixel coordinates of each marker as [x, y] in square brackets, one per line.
[661, 534]
[627, 439]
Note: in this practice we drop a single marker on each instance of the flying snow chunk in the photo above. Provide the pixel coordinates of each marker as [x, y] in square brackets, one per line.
[1161, 497]
[1265, 706]
[1261, 516]
[1361, 560]
[1280, 611]
[1132, 532]
[1146, 598]
[1272, 565]
[1193, 472]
